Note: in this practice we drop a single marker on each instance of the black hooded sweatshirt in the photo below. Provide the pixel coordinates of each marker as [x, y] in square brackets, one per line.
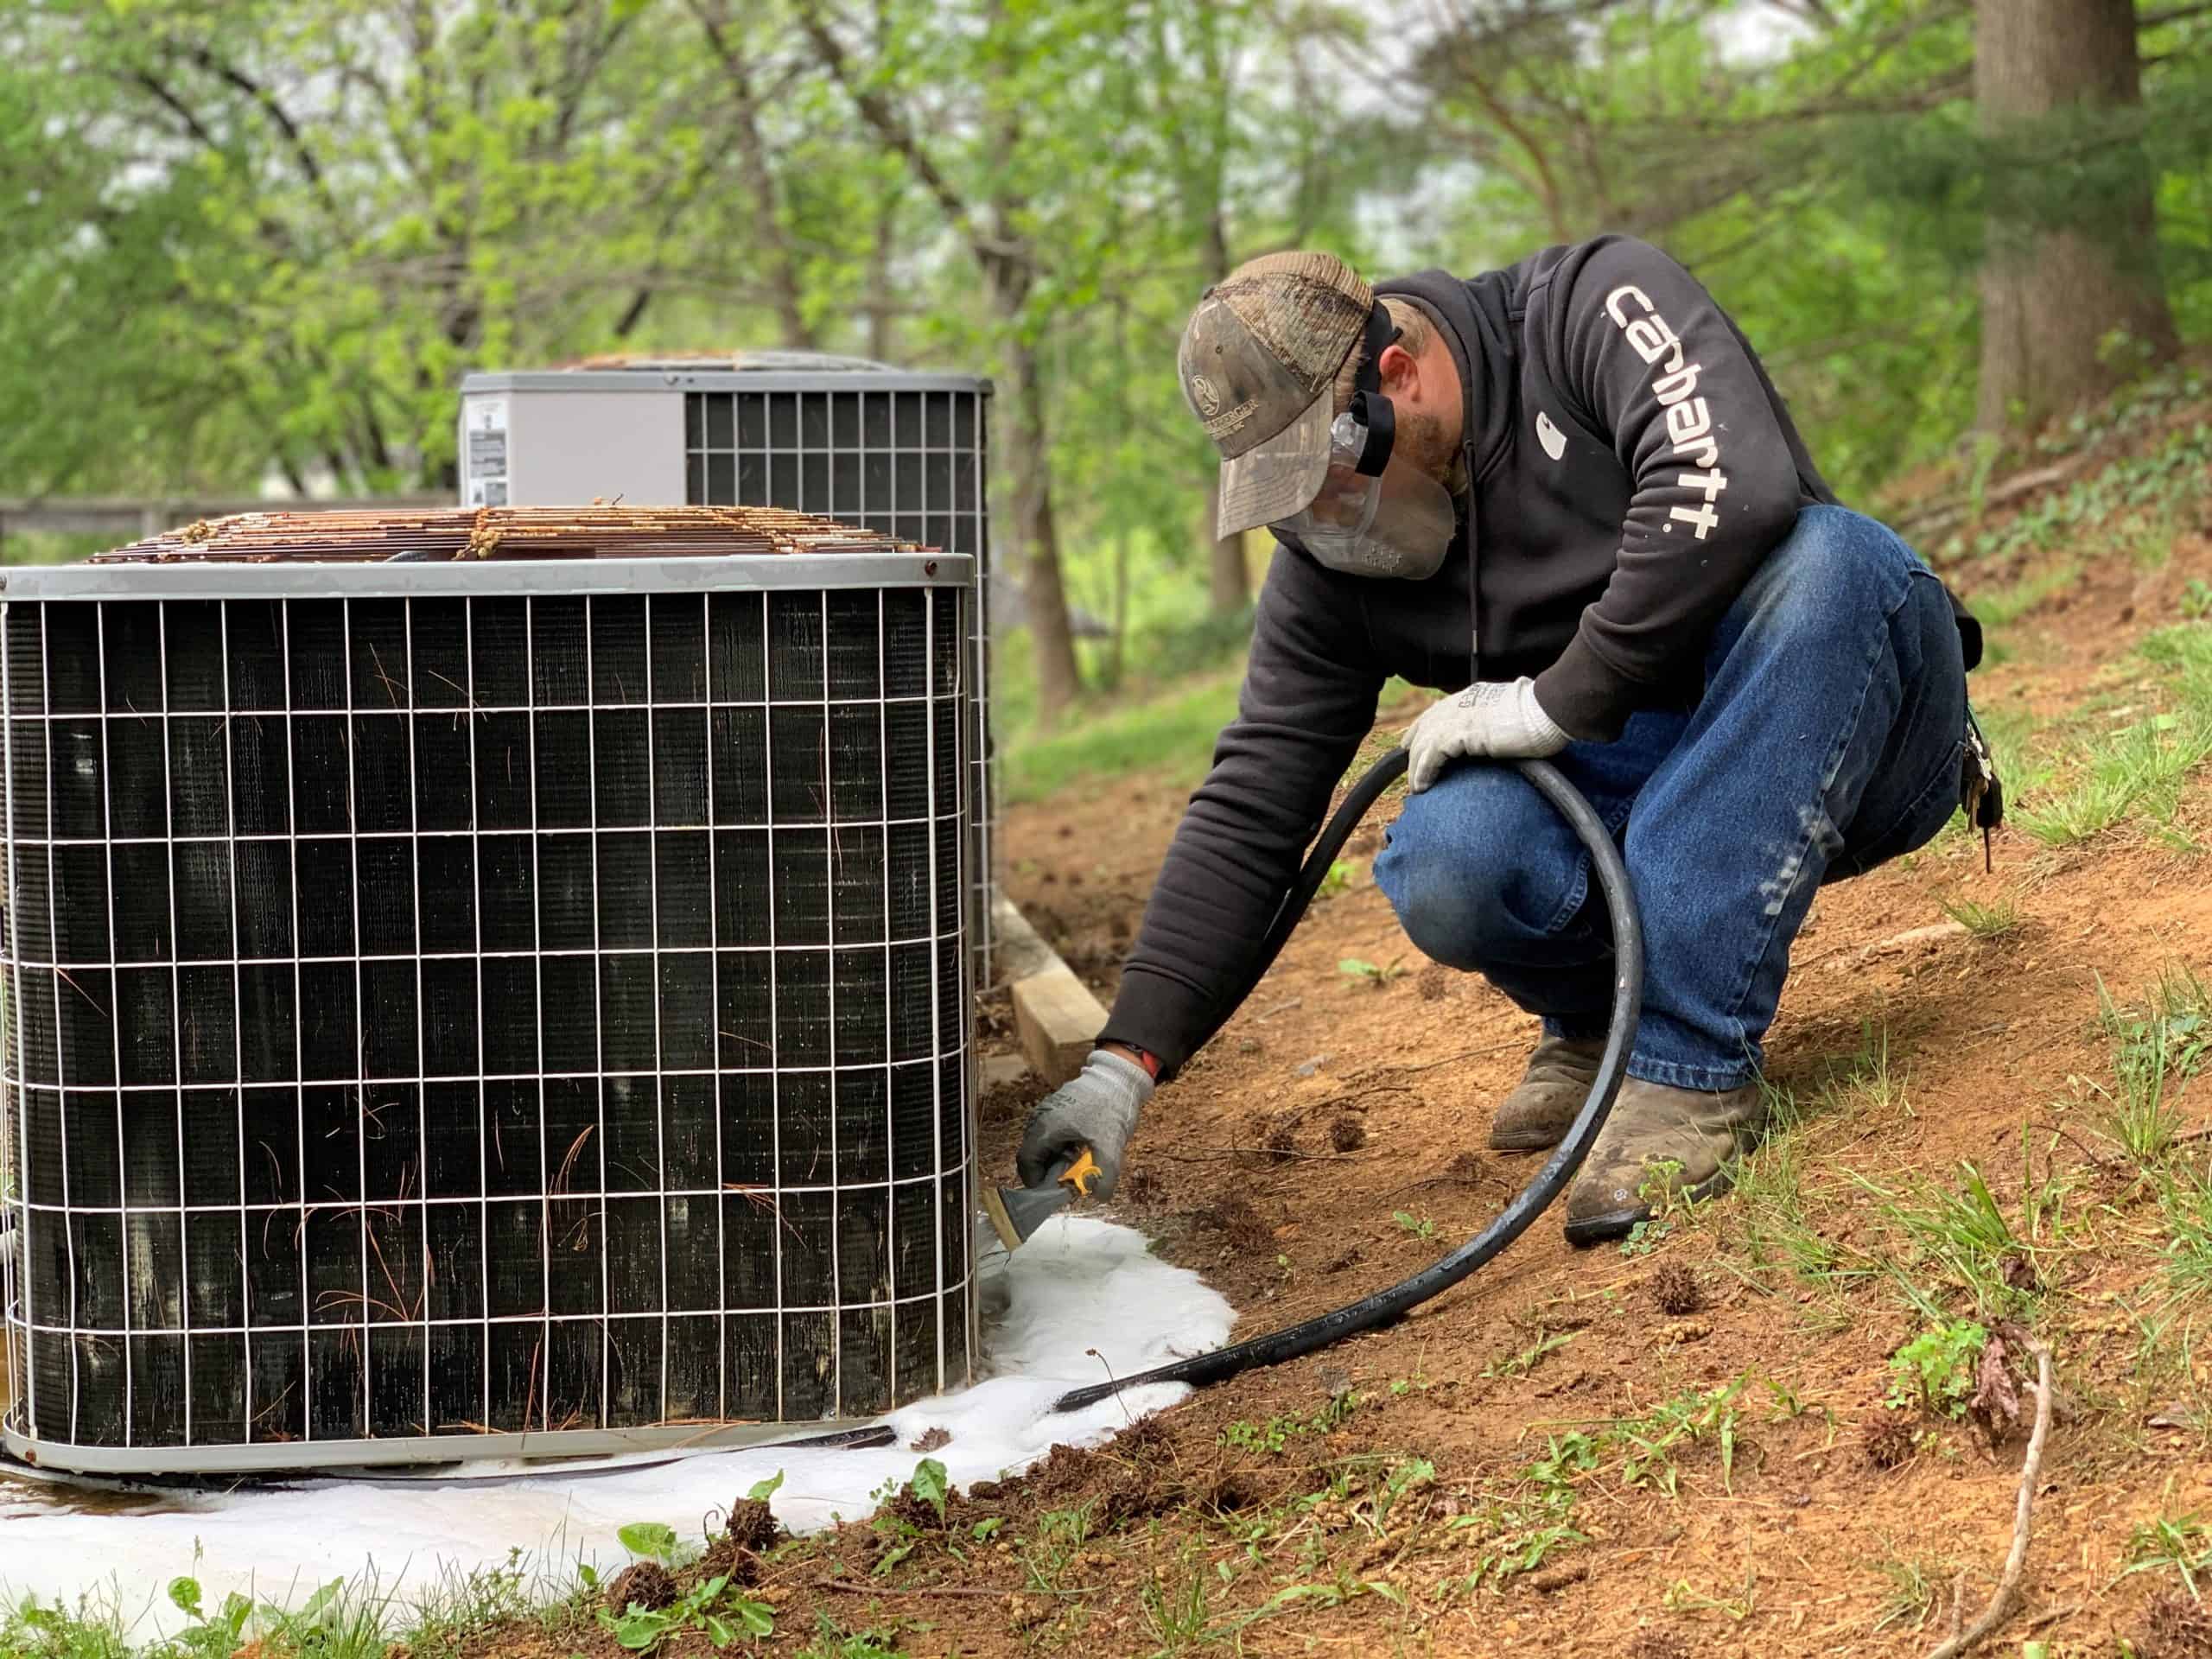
[1629, 466]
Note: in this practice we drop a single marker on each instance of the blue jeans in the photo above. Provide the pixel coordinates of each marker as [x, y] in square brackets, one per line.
[1828, 738]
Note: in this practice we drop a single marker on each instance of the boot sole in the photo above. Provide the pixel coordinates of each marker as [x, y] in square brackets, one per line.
[1524, 1142]
[1602, 1229]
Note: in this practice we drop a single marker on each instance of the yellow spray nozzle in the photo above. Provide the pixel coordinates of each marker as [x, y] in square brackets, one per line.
[1080, 1174]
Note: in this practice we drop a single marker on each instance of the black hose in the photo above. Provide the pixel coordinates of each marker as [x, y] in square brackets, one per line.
[1386, 1306]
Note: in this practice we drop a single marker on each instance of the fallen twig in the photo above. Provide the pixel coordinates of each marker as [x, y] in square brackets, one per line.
[2008, 1585]
[1940, 512]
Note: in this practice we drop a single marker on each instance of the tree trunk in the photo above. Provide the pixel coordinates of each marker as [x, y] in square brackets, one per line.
[1117, 663]
[2055, 286]
[755, 169]
[1229, 584]
[881, 306]
[1051, 636]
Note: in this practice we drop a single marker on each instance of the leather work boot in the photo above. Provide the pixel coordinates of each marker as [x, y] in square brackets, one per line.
[1675, 1143]
[1550, 1092]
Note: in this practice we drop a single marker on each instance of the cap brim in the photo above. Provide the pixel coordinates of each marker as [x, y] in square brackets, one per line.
[1274, 481]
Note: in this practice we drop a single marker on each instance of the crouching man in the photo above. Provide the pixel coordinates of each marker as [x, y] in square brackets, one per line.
[1566, 494]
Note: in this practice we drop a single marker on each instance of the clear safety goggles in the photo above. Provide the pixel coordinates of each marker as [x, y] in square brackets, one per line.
[1393, 521]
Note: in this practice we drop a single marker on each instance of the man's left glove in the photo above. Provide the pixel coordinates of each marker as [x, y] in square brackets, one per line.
[1494, 719]
[1097, 1107]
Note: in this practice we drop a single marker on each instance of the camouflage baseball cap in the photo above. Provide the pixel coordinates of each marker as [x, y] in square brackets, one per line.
[1258, 358]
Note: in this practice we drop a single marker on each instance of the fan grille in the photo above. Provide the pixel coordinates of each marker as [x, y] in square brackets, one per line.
[909, 464]
[437, 1016]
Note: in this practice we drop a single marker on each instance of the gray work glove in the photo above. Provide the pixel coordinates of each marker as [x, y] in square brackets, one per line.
[1097, 1107]
[1492, 719]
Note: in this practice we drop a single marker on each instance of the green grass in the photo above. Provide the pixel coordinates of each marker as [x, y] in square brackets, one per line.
[2176, 1541]
[1995, 920]
[2137, 775]
[834, 1641]
[1966, 1239]
[2156, 1049]
[1773, 1210]
[2134, 774]
[1775, 1230]
[1914, 1586]
[2000, 607]
[1172, 736]
[345, 1618]
[54, 547]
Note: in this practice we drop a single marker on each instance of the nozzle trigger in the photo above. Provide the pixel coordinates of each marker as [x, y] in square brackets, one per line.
[1080, 1174]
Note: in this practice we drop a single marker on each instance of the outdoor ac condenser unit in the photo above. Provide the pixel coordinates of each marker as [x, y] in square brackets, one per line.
[463, 1008]
[893, 450]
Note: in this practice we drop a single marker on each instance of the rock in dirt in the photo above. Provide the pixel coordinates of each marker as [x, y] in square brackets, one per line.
[1553, 1579]
[642, 1584]
[1913, 942]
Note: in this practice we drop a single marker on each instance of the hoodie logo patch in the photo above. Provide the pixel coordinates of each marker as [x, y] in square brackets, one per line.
[1550, 437]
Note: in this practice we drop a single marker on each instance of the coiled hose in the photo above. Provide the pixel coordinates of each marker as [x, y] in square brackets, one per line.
[1387, 1306]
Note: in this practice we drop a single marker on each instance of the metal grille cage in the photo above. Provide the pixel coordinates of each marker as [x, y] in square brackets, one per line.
[474, 1010]
[900, 452]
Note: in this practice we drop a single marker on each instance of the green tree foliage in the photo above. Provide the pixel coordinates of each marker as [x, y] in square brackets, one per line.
[273, 234]
[264, 239]
[1823, 172]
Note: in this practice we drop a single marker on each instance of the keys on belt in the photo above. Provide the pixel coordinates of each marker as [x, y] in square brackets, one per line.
[1981, 792]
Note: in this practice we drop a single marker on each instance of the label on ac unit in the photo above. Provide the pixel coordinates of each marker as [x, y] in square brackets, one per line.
[483, 452]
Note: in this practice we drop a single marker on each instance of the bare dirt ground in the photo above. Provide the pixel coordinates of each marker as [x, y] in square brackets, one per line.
[1678, 1449]
[1785, 1554]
